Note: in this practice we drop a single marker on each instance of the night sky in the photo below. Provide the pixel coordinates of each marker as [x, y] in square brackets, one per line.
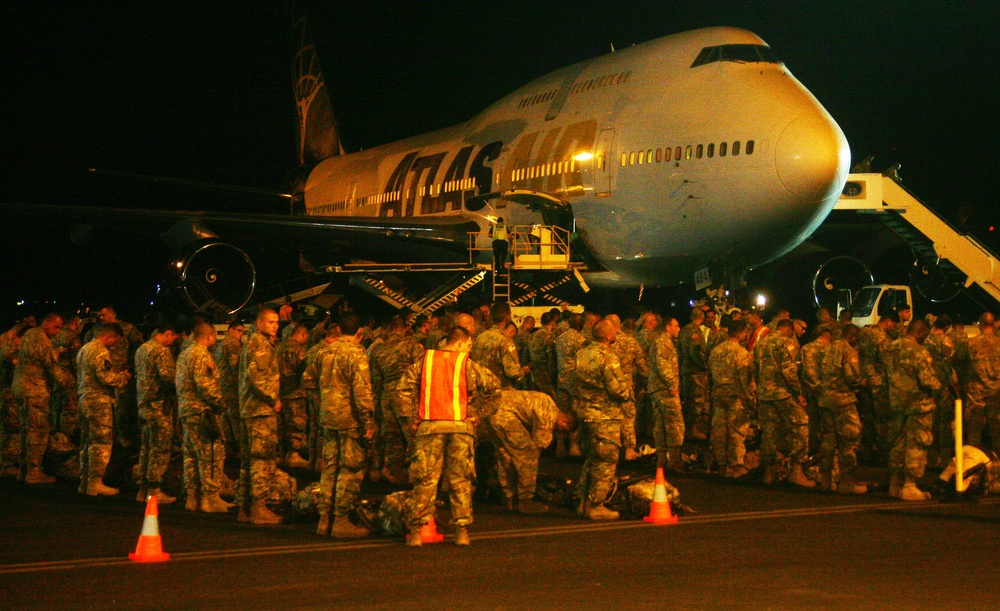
[201, 91]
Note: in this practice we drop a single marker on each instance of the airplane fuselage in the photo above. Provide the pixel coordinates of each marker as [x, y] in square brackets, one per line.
[689, 151]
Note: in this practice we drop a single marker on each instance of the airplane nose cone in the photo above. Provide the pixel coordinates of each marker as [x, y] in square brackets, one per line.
[812, 157]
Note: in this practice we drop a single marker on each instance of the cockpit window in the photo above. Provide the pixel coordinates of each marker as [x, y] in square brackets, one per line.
[741, 54]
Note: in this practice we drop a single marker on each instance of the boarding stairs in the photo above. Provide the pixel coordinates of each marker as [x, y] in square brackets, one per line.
[533, 248]
[957, 255]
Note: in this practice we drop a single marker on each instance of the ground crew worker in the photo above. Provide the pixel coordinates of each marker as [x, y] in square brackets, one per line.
[839, 376]
[347, 413]
[199, 403]
[37, 369]
[500, 245]
[912, 385]
[664, 389]
[155, 372]
[600, 389]
[260, 403]
[733, 391]
[446, 392]
[566, 346]
[294, 419]
[97, 382]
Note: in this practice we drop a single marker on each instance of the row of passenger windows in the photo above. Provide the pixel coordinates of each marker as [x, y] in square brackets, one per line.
[545, 169]
[686, 152]
[381, 198]
[604, 81]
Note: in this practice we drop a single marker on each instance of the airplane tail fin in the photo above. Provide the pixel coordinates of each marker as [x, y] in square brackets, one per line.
[318, 136]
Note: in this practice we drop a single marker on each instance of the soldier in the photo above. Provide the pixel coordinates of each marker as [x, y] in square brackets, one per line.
[873, 406]
[904, 315]
[566, 347]
[693, 361]
[757, 330]
[542, 355]
[10, 421]
[809, 358]
[649, 325]
[97, 382]
[780, 316]
[635, 368]
[199, 406]
[330, 335]
[347, 413]
[445, 417]
[293, 421]
[942, 350]
[982, 386]
[824, 320]
[733, 390]
[664, 389]
[35, 370]
[65, 411]
[521, 429]
[839, 376]
[227, 360]
[600, 389]
[126, 413]
[260, 404]
[388, 364]
[155, 372]
[494, 350]
[524, 333]
[781, 404]
[912, 385]
[438, 330]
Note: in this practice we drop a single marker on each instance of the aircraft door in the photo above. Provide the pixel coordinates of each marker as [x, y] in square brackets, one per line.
[603, 163]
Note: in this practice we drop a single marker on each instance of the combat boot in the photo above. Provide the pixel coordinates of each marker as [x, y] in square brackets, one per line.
[798, 477]
[601, 513]
[191, 500]
[323, 527]
[244, 513]
[140, 497]
[415, 539]
[294, 461]
[260, 514]
[344, 529]
[894, 486]
[583, 508]
[675, 462]
[531, 507]
[910, 492]
[96, 487]
[37, 476]
[213, 504]
[462, 536]
[162, 497]
[847, 485]
[826, 482]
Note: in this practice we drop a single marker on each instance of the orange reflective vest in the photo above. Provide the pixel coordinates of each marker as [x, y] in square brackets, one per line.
[444, 393]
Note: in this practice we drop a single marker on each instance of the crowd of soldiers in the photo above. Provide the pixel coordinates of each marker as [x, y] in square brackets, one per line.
[410, 402]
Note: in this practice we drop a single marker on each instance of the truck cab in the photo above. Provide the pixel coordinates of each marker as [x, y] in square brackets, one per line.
[873, 302]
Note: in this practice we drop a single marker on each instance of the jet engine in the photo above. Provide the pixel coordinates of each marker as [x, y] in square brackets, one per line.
[214, 276]
[837, 279]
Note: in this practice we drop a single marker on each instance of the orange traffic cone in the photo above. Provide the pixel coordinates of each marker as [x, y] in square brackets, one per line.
[659, 509]
[150, 547]
[429, 533]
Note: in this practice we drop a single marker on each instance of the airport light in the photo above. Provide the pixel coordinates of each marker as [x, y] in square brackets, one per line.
[584, 156]
[761, 300]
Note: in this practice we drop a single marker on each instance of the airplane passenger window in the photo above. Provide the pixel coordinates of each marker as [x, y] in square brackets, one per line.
[722, 149]
[659, 155]
[711, 150]
[749, 147]
[649, 156]
[677, 153]
[687, 152]
[736, 148]
[640, 157]
[624, 159]
[666, 154]
[699, 150]
[631, 158]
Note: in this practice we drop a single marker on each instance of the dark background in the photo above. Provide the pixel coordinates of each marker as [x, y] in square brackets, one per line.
[201, 91]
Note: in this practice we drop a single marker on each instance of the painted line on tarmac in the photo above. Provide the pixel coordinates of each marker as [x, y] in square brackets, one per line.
[541, 531]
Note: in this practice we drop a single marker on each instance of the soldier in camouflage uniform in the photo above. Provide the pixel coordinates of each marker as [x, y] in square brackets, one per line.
[389, 361]
[37, 369]
[982, 385]
[873, 405]
[444, 440]
[733, 391]
[524, 333]
[10, 421]
[126, 413]
[912, 384]
[155, 372]
[839, 377]
[781, 404]
[942, 350]
[198, 393]
[315, 438]
[494, 350]
[97, 382]
[809, 358]
[636, 370]
[664, 390]
[693, 361]
[65, 411]
[260, 403]
[293, 418]
[566, 347]
[600, 389]
[347, 413]
[227, 360]
[649, 330]
[521, 428]
[542, 355]
[904, 316]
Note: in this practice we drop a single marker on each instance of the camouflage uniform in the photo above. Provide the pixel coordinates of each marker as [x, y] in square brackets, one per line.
[96, 384]
[566, 347]
[446, 446]
[340, 372]
[126, 413]
[36, 367]
[388, 364]
[646, 337]
[599, 391]
[873, 408]
[198, 391]
[664, 383]
[982, 390]
[260, 386]
[155, 372]
[10, 422]
[809, 362]
[942, 350]
[521, 429]
[693, 361]
[542, 358]
[782, 419]
[731, 369]
[498, 353]
[227, 360]
[635, 369]
[314, 437]
[293, 417]
[912, 385]
[65, 411]
[839, 376]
